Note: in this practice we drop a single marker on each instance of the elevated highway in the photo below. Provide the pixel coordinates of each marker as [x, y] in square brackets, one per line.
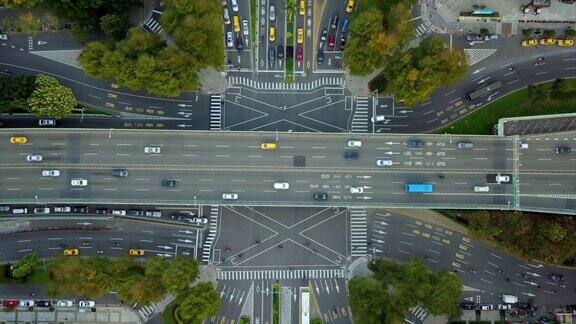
[208, 164]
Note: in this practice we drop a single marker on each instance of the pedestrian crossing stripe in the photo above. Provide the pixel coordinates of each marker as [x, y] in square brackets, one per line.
[280, 274]
[358, 232]
[419, 312]
[360, 117]
[154, 26]
[215, 112]
[325, 81]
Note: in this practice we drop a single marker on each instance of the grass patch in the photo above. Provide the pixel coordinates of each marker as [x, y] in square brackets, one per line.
[316, 320]
[168, 314]
[289, 63]
[244, 320]
[40, 276]
[276, 304]
[289, 78]
[254, 20]
[517, 104]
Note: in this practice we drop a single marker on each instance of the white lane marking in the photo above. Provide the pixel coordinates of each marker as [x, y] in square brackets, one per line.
[24, 241]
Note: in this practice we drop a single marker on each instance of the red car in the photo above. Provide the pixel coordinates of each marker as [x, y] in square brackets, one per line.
[10, 303]
[299, 55]
[331, 40]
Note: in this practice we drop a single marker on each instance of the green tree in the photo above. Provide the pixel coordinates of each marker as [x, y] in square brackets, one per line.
[481, 225]
[83, 277]
[559, 86]
[538, 92]
[549, 33]
[155, 267]
[141, 290]
[14, 92]
[18, 3]
[445, 290]
[28, 23]
[484, 31]
[118, 267]
[552, 231]
[367, 299]
[80, 33]
[181, 272]
[570, 32]
[199, 302]
[527, 32]
[50, 99]
[88, 12]
[363, 54]
[26, 266]
[114, 26]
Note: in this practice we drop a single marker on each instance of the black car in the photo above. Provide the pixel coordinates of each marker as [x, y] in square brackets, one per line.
[103, 211]
[563, 150]
[342, 42]
[321, 196]
[180, 217]
[169, 183]
[320, 56]
[555, 276]
[135, 212]
[467, 305]
[81, 209]
[43, 303]
[239, 44]
[351, 155]
[474, 37]
[120, 173]
[280, 51]
[271, 55]
[334, 21]
[415, 144]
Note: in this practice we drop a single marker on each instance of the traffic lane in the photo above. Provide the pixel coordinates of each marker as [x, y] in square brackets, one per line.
[112, 241]
[256, 185]
[121, 148]
[300, 23]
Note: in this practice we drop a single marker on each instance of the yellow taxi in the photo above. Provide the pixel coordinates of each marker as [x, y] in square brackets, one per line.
[71, 252]
[302, 7]
[136, 252]
[565, 42]
[236, 21]
[18, 139]
[529, 42]
[300, 35]
[547, 41]
[350, 6]
[269, 146]
[272, 34]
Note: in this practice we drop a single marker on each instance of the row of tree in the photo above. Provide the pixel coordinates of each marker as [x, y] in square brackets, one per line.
[41, 95]
[387, 295]
[142, 61]
[94, 277]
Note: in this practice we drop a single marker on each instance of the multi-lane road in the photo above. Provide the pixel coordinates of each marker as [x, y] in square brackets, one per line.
[207, 165]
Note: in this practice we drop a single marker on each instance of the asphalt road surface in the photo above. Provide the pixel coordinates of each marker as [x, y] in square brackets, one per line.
[207, 165]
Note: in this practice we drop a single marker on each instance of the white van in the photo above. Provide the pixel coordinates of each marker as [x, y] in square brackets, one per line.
[153, 213]
[19, 210]
[481, 188]
[281, 185]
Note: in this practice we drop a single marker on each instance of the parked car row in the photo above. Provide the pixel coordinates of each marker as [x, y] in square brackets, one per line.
[12, 303]
[82, 210]
[564, 42]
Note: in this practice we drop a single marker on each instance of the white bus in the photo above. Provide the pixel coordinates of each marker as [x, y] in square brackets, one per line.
[304, 306]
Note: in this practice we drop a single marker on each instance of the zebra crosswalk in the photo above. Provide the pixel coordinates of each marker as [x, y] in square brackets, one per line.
[422, 31]
[280, 274]
[215, 112]
[475, 55]
[153, 26]
[418, 312]
[360, 117]
[264, 85]
[213, 228]
[358, 232]
[146, 312]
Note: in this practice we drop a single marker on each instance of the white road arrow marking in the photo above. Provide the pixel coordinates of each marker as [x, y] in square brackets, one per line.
[391, 143]
[84, 223]
[184, 105]
[364, 177]
[186, 231]
[478, 71]
[327, 287]
[528, 294]
[166, 247]
[42, 42]
[185, 240]
[533, 274]
[391, 153]
[184, 125]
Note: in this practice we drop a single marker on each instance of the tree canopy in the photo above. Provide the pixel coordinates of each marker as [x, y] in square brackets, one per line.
[179, 274]
[394, 288]
[199, 302]
[26, 266]
[50, 99]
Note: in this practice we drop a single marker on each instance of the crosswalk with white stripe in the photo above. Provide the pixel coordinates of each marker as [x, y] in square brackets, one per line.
[358, 232]
[360, 117]
[419, 312]
[280, 274]
[422, 31]
[146, 312]
[264, 85]
[213, 229]
[154, 26]
[215, 112]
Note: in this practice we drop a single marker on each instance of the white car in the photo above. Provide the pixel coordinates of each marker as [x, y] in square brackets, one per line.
[86, 303]
[235, 5]
[200, 220]
[79, 182]
[502, 178]
[47, 122]
[481, 189]
[62, 209]
[229, 40]
[65, 303]
[34, 158]
[383, 162]
[229, 196]
[356, 190]
[119, 212]
[523, 145]
[378, 118]
[26, 303]
[354, 143]
[152, 149]
[272, 13]
[50, 173]
[245, 29]
[281, 185]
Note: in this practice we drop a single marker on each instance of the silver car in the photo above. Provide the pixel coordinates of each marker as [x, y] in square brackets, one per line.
[50, 173]
[152, 149]
[34, 158]
[383, 162]
[230, 196]
[79, 182]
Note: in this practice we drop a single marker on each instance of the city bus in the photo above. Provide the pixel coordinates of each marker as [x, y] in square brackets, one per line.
[419, 187]
[479, 93]
[304, 306]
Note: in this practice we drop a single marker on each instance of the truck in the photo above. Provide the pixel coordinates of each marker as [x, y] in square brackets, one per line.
[509, 299]
[419, 187]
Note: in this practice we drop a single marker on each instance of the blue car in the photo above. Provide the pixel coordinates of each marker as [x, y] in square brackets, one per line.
[351, 155]
[344, 26]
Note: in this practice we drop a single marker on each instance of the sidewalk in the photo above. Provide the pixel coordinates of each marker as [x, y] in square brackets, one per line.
[433, 217]
[359, 85]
